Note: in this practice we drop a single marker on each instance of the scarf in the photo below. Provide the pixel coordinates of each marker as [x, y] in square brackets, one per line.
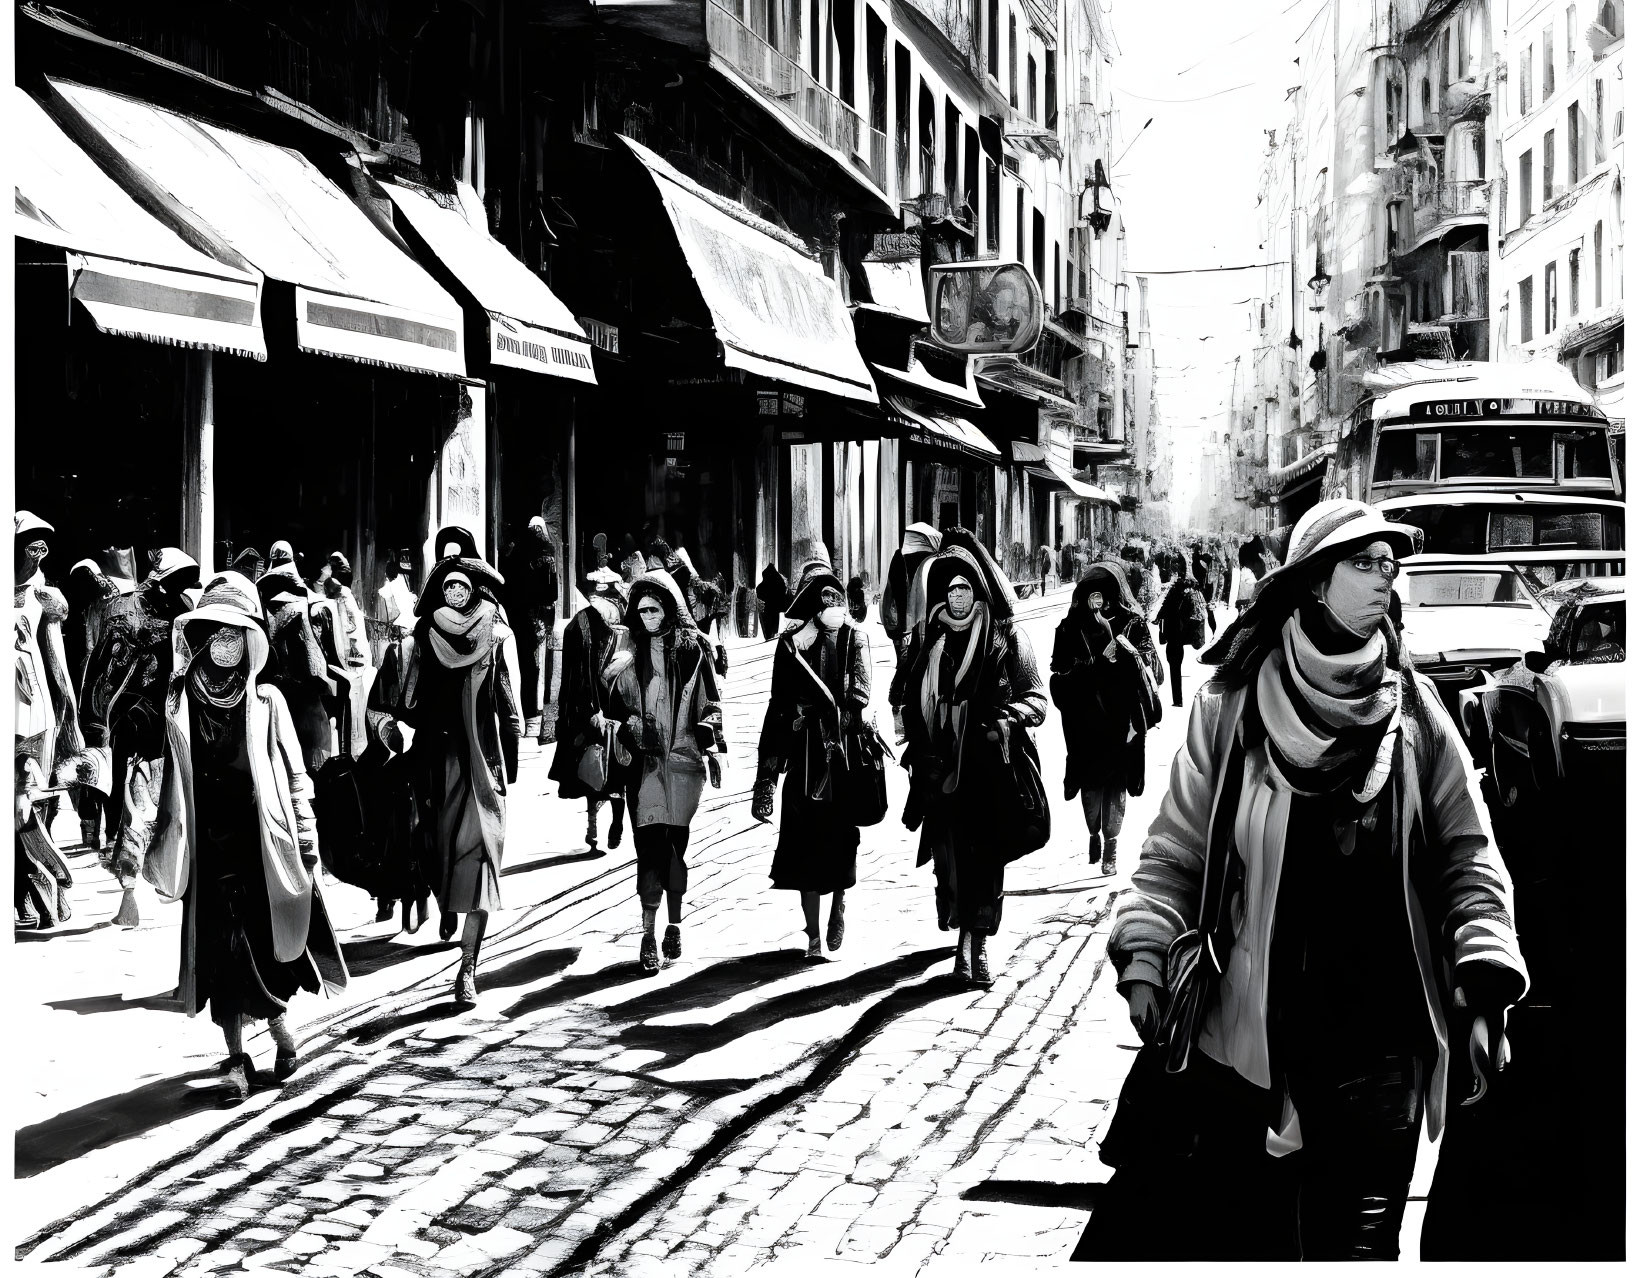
[460, 639]
[936, 711]
[1329, 716]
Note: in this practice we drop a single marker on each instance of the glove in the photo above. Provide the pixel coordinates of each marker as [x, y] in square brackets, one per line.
[764, 799]
[912, 816]
[393, 738]
[1145, 1009]
[721, 661]
[1486, 991]
[597, 724]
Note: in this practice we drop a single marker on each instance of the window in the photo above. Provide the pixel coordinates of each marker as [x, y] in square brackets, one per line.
[1525, 81]
[926, 139]
[1463, 56]
[904, 116]
[1548, 72]
[1393, 95]
[1574, 282]
[1038, 247]
[1547, 156]
[950, 156]
[1600, 142]
[1014, 95]
[815, 40]
[1551, 297]
[972, 171]
[1526, 310]
[1392, 211]
[1032, 87]
[992, 38]
[1525, 186]
[1569, 31]
[1611, 18]
[1443, 62]
[1426, 96]
[1597, 264]
[1056, 275]
[992, 207]
[1020, 225]
[844, 33]
[878, 98]
[1052, 101]
[1574, 144]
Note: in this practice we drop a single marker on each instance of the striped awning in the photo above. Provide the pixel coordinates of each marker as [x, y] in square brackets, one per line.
[133, 275]
[941, 430]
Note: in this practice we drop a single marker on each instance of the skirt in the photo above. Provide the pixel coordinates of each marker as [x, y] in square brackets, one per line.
[816, 849]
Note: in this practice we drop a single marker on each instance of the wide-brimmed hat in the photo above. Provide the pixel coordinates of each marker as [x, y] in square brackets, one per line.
[172, 562]
[28, 522]
[466, 546]
[229, 599]
[815, 575]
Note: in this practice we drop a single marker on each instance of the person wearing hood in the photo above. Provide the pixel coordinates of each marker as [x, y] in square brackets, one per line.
[665, 697]
[903, 606]
[1026, 684]
[123, 708]
[1251, 568]
[459, 698]
[705, 602]
[1363, 907]
[961, 690]
[233, 836]
[820, 684]
[1174, 619]
[772, 596]
[591, 638]
[297, 664]
[532, 568]
[1102, 676]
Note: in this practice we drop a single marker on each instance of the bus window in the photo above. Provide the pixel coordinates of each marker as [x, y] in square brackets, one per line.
[1495, 453]
[1583, 455]
[1407, 457]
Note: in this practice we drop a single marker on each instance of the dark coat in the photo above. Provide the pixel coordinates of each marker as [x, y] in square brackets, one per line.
[125, 682]
[1175, 610]
[297, 667]
[1102, 699]
[587, 647]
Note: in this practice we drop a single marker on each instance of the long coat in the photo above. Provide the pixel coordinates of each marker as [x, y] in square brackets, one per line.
[588, 644]
[804, 725]
[1107, 705]
[665, 788]
[1458, 895]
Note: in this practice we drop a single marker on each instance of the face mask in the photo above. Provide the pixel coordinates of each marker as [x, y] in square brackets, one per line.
[227, 647]
[36, 551]
[651, 620]
[457, 594]
[1097, 603]
[831, 618]
[960, 599]
[1359, 600]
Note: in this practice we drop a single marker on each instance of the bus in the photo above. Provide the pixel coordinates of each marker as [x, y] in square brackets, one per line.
[1513, 460]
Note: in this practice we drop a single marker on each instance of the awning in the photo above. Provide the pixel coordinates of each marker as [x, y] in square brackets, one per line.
[1020, 452]
[774, 311]
[1279, 482]
[530, 328]
[135, 276]
[898, 288]
[921, 379]
[942, 431]
[358, 296]
[1080, 488]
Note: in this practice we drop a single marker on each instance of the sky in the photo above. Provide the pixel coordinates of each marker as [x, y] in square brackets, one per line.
[1188, 184]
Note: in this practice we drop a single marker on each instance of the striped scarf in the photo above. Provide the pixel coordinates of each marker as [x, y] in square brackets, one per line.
[1332, 718]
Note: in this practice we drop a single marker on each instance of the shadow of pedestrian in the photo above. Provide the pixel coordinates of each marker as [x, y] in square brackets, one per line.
[44, 1145]
[572, 988]
[532, 967]
[92, 1004]
[363, 1035]
[1034, 1193]
[65, 931]
[379, 952]
[568, 858]
[709, 985]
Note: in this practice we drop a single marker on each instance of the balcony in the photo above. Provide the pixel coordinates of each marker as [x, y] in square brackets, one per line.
[1437, 202]
[953, 20]
[791, 90]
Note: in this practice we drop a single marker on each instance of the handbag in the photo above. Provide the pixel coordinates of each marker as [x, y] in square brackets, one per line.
[859, 786]
[1011, 803]
[593, 768]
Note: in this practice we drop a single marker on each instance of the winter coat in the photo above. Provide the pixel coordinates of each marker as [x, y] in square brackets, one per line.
[1174, 612]
[588, 645]
[803, 715]
[1107, 703]
[1458, 895]
[125, 682]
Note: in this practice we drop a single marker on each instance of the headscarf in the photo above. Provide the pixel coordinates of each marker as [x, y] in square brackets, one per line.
[459, 637]
[952, 564]
[1110, 579]
[677, 625]
[814, 577]
[997, 590]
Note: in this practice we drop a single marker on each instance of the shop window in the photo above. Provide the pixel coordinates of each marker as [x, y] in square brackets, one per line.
[1574, 144]
[1014, 97]
[1551, 297]
[1525, 186]
[1574, 282]
[1526, 310]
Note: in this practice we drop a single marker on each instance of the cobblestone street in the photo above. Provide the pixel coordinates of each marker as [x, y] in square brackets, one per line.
[742, 1104]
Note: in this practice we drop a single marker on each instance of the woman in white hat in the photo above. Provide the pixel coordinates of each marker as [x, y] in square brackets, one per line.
[1324, 813]
[234, 836]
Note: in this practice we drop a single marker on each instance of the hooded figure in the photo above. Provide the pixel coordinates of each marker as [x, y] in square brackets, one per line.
[960, 695]
[1365, 907]
[590, 640]
[772, 594]
[459, 698]
[533, 596]
[664, 695]
[234, 833]
[124, 708]
[297, 664]
[1184, 596]
[820, 684]
[903, 606]
[1102, 676]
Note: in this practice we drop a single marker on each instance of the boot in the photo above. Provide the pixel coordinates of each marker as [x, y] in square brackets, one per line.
[128, 915]
[1109, 857]
[961, 959]
[649, 960]
[835, 924]
[447, 925]
[614, 838]
[385, 909]
[89, 835]
[982, 973]
[1095, 849]
[466, 992]
[814, 952]
[237, 1075]
[593, 829]
[672, 945]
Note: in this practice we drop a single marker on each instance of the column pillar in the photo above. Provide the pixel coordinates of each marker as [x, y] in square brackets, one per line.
[199, 512]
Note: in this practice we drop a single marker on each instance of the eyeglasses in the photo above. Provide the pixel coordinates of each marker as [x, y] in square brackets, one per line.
[1387, 568]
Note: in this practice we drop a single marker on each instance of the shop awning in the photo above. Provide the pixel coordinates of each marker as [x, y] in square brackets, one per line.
[898, 289]
[530, 328]
[1069, 482]
[941, 430]
[1024, 453]
[358, 295]
[774, 311]
[135, 276]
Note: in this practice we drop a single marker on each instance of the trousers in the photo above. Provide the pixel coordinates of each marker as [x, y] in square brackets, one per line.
[1173, 653]
[661, 853]
[1104, 808]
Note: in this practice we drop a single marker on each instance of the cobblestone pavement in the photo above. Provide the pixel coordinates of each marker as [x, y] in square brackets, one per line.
[744, 1107]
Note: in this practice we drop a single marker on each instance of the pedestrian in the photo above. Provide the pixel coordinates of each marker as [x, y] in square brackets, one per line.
[820, 684]
[705, 602]
[124, 709]
[1066, 567]
[772, 594]
[584, 700]
[974, 693]
[855, 591]
[354, 649]
[533, 598]
[633, 563]
[1045, 562]
[1182, 619]
[666, 699]
[393, 865]
[296, 664]
[396, 604]
[903, 606]
[234, 835]
[42, 659]
[1251, 569]
[1322, 785]
[1103, 678]
[461, 702]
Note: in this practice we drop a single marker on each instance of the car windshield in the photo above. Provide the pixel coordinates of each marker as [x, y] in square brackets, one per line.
[1470, 587]
[1551, 453]
[1476, 528]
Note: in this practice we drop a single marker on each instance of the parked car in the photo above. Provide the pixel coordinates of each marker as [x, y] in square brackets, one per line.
[1554, 725]
[1467, 618]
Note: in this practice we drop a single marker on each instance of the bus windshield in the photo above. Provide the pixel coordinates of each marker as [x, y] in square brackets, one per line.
[1493, 452]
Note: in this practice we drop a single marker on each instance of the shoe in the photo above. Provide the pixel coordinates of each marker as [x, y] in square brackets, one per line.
[961, 960]
[385, 909]
[649, 960]
[421, 914]
[672, 947]
[593, 831]
[814, 952]
[614, 838]
[237, 1075]
[1109, 858]
[1069, 789]
[982, 972]
[1095, 849]
[127, 915]
[447, 925]
[835, 926]
[466, 993]
[89, 835]
[285, 1065]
